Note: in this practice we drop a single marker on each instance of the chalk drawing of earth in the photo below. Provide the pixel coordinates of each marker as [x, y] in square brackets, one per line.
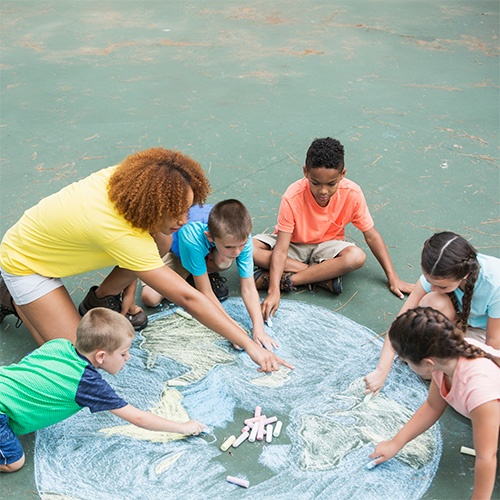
[181, 370]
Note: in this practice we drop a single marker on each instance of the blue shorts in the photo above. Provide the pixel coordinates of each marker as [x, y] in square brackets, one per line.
[10, 447]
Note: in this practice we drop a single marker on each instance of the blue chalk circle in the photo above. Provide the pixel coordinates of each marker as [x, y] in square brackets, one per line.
[327, 430]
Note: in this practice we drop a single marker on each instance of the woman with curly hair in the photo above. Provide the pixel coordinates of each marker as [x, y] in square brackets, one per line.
[461, 283]
[464, 374]
[109, 218]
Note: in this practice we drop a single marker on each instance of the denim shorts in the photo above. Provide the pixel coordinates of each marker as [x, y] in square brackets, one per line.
[10, 447]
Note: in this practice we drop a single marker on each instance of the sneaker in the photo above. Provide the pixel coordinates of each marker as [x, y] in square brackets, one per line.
[113, 302]
[6, 304]
[286, 283]
[261, 278]
[334, 285]
[219, 286]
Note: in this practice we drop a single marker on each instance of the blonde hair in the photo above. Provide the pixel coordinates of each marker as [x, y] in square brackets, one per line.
[102, 329]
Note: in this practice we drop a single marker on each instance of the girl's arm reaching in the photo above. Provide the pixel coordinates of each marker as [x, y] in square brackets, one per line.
[493, 332]
[375, 380]
[152, 422]
[485, 423]
[426, 416]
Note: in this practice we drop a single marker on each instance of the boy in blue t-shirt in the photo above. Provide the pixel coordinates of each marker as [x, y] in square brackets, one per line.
[203, 247]
[58, 379]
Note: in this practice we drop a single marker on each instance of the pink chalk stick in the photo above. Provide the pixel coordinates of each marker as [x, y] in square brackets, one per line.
[249, 421]
[236, 480]
[255, 430]
[270, 420]
[246, 428]
[258, 411]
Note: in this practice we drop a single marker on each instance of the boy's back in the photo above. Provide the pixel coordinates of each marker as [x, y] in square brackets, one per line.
[51, 384]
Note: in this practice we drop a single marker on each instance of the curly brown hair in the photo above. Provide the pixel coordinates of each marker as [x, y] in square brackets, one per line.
[424, 332]
[152, 185]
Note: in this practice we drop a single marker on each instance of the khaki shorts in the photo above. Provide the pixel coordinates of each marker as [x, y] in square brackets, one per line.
[171, 260]
[308, 253]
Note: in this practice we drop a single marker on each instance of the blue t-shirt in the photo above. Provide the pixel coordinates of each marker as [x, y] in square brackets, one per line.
[196, 214]
[193, 248]
[486, 296]
[51, 384]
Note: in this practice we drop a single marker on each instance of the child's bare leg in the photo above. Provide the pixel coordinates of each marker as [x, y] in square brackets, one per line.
[441, 302]
[262, 258]
[348, 260]
[13, 466]
[150, 297]
[50, 317]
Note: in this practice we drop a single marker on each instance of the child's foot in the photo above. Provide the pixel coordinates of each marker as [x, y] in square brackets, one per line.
[261, 278]
[334, 285]
[219, 286]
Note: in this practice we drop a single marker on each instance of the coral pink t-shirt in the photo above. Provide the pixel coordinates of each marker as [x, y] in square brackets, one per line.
[475, 382]
[309, 223]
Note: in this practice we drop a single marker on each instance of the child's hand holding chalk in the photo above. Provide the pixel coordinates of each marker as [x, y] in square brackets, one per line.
[383, 451]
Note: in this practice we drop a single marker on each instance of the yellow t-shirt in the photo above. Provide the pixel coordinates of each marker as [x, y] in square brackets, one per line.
[74, 231]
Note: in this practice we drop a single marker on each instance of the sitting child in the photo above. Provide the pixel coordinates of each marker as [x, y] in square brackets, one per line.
[465, 374]
[57, 380]
[308, 247]
[203, 248]
[461, 283]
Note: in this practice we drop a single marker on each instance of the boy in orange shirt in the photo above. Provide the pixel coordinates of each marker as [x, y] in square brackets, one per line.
[308, 247]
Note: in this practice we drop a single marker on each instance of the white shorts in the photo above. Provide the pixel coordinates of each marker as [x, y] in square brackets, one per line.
[27, 289]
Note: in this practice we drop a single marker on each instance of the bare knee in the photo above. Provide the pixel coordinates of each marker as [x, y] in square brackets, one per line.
[150, 297]
[355, 258]
[13, 467]
[441, 302]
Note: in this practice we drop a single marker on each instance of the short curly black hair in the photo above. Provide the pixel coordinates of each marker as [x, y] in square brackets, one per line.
[325, 153]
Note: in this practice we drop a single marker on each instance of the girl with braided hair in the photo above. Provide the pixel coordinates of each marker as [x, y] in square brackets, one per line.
[464, 374]
[461, 283]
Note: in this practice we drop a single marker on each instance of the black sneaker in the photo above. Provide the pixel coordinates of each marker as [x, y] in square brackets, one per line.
[219, 286]
[6, 304]
[113, 302]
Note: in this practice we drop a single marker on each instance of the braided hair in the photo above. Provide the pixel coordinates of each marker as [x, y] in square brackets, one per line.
[448, 255]
[424, 332]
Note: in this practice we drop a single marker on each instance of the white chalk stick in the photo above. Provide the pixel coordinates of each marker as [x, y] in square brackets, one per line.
[253, 432]
[257, 412]
[277, 429]
[240, 439]
[260, 431]
[183, 313]
[468, 451]
[227, 443]
[269, 433]
[236, 480]
[269, 321]
[368, 398]
[372, 464]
